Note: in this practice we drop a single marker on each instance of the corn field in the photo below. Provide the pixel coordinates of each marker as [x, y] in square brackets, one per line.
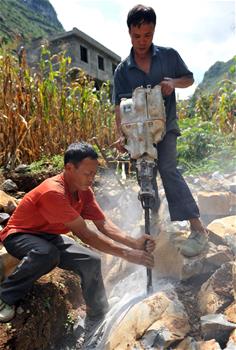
[41, 113]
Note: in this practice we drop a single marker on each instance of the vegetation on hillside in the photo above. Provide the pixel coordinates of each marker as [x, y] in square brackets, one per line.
[218, 72]
[41, 113]
[27, 19]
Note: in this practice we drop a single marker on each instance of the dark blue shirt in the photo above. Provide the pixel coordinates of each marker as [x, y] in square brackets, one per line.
[166, 62]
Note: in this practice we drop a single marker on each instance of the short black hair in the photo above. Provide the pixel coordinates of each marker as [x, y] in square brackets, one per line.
[140, 14]
[77, 151]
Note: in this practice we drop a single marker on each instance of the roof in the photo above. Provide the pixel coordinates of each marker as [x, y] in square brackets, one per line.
[78, 33]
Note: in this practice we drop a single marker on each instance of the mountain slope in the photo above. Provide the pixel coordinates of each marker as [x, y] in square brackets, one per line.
[216, 73]
[29, 18]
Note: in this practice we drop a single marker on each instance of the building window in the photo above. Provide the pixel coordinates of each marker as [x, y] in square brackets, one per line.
[113, 68]
[83, 54]
[100, 62]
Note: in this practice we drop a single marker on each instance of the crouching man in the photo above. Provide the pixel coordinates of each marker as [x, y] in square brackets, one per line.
[34, 235]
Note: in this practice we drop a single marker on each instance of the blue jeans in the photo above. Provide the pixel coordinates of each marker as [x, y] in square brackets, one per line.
[182, 205]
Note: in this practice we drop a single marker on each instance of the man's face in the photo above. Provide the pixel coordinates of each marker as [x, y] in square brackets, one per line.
[81, 176]
[141, 38]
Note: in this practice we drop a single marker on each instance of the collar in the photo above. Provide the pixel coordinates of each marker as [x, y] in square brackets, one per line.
[130, 60]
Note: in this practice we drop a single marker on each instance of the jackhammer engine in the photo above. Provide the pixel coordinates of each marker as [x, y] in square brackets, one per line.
[143, 122]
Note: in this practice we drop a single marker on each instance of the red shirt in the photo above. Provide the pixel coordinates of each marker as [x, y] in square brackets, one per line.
[49, 206]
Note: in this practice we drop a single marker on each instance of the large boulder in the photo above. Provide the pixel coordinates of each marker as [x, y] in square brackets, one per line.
[217, 292]
[169, 262]
[225, 228]
[161, 311]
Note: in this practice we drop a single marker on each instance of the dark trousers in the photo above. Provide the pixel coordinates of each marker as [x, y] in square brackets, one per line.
[39, 254]
[182, 205]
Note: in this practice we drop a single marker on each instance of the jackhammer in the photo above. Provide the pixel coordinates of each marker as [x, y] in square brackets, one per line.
[143, 121]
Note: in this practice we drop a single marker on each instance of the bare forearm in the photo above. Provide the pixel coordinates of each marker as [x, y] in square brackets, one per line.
[109, 229]
[183, 82]
[102, 243]
[118, 120]
[106, 244]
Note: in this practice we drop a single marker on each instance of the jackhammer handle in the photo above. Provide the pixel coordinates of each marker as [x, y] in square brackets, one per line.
[149, 271]
[149, 281]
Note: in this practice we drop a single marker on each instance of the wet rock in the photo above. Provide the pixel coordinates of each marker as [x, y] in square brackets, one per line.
[9, 186]
[137, 320]
[216, 326]
[217, 292]
[173, 325]
[7, 203]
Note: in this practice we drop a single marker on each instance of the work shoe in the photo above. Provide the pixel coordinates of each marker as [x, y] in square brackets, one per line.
[7, 312]
[93, 331]
[194, 245]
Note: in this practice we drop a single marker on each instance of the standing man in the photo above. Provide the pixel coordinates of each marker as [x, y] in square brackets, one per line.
[148, 64]
[34, 235]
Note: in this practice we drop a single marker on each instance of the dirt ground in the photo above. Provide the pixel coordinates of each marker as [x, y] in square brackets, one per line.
[46, 315]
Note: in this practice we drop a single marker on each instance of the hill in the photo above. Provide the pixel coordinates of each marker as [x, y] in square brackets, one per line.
[28, 18]
[217, 72]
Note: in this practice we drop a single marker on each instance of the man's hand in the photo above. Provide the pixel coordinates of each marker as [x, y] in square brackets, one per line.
[167, 86]
[119, 144]
[147, 243]
[140, 257]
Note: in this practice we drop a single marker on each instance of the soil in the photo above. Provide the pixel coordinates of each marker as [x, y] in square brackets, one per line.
[46, 315]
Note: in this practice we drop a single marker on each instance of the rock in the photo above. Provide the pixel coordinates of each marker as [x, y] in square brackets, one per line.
[214, 203]
[4, 217]
[232, 187]
[216, 326]
[225, 228]
[173, 325]
[231, 345]
[136, 321]
[190, 344]
[9, 186]
[169, 262]
[7, 263]
[234, 280]
[217, 292]
[187, 344]
[7, 203]
[208, 345]
[22, 168]
[230, 312]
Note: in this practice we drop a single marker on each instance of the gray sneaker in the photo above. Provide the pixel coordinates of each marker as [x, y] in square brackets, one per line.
[7, 312]
[194, 245]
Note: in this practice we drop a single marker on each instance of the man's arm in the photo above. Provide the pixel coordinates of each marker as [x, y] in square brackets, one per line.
[118, 120]
[108, 228]
[168, 84]
[107, 245]
[119, 144]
